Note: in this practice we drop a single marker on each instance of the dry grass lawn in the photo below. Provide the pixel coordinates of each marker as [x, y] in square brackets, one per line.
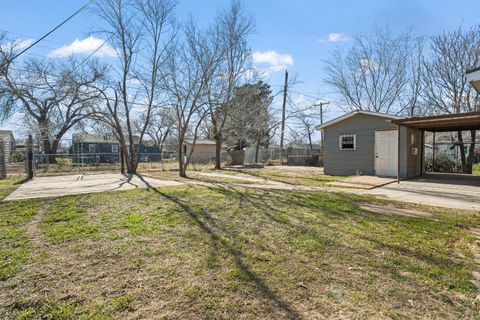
[196, 252]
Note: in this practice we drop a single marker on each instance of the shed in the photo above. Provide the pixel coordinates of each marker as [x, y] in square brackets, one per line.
[368, 143]
[204, 150]
[8, 140]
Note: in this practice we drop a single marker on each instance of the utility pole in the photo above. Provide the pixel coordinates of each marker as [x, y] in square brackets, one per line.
[282, 133]
[321, 104]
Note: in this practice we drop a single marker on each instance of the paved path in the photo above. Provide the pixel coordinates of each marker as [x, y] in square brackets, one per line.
[430, 193]
[56, 186]
[454, 192]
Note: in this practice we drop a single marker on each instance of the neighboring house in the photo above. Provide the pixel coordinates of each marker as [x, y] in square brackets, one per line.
[8, 140]
[366, 143]
[204, 150]
[95, 148]
[104, 148]
[149, 152]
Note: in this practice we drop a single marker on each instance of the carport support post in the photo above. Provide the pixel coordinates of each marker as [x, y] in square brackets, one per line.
[433, 153]
[30, 157]
[398, 154]
[422, 152]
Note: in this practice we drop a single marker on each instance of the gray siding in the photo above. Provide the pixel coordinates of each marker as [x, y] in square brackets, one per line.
[345, 163]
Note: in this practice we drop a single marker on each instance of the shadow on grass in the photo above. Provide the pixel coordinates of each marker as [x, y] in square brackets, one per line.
[22, 181]
[333, 207]
[237, 255]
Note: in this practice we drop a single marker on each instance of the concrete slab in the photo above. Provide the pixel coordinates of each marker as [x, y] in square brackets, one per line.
[456, 191]
[363, 182]
[56, 186]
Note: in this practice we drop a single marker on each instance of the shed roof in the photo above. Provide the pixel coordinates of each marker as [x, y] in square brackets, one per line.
[473, 76]
[200, 141]
[443, 123]
[351, 114]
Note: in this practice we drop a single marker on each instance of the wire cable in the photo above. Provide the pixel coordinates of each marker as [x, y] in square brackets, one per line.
[47, 34]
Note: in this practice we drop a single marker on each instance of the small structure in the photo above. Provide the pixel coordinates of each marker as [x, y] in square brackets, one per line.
[438, 125]
[368, 143]
[7, 142]
[203, 151]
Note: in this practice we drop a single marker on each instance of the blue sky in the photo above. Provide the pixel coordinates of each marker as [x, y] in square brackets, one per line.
[297, 35]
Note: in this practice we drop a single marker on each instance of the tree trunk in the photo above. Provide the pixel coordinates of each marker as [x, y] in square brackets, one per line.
[135, 158]
[257, 148]
[122, 160]
[218, 151]
[181, 165]
[48, 151]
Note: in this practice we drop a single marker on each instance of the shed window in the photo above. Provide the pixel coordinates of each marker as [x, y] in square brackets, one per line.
[114, 148]
[347, 142]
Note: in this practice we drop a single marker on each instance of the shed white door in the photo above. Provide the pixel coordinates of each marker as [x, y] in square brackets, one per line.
[386, 153]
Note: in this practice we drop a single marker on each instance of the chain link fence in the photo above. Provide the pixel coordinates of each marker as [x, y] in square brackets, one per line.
[102, 154]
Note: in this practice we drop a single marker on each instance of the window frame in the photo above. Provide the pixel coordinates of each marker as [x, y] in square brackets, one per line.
[340, 140]
[115, 148]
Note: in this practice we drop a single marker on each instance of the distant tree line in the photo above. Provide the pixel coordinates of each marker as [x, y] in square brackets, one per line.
[169, 80]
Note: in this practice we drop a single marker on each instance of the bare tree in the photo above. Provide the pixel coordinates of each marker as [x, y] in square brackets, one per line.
[446, 87]
[306, 126]
[141, 31]
[227, 63]
[161, 126]
[378, 73]
[55, 96]
[184, 84]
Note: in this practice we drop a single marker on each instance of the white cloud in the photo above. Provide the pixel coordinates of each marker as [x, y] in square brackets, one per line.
[335, 37]
[23, 43]
[18, 44]
[85, 46]
[273, 60]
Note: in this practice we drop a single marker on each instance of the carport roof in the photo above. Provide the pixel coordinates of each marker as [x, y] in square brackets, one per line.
[443, 123]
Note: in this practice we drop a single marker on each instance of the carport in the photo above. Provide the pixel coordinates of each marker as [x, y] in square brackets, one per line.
[442, 123]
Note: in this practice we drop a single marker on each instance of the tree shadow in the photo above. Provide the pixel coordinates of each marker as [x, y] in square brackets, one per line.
[219, 242]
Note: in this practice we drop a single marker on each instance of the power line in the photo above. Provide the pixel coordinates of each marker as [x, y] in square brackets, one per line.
[47, 34]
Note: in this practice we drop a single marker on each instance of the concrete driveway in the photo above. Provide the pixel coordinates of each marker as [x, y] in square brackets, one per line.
[57, 186]
[457, 191]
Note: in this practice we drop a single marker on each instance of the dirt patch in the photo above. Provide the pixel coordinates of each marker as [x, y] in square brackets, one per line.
[393, 210]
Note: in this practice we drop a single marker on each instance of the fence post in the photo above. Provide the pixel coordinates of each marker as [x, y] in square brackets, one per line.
[3, 165]
[30, 157]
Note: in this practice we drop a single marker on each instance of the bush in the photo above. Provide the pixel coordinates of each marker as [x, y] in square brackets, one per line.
[476, 169]
[444, 162]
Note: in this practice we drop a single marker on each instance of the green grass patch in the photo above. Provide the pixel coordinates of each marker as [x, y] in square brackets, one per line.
[293, 176]
[66, 219]
[15, 243]
[476, 169]
[225, 252]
